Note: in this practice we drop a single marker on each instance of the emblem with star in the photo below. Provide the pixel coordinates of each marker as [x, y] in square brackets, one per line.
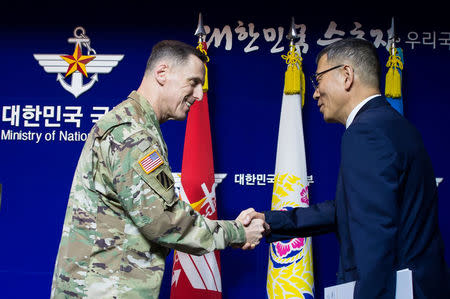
[77, 61]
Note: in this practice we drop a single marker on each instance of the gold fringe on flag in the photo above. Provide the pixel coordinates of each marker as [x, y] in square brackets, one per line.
[202, 49]
[294, 79]
[393, 88]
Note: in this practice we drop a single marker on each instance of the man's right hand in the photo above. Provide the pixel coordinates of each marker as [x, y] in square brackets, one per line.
[246, 216]
[252, 220]
[253, 233]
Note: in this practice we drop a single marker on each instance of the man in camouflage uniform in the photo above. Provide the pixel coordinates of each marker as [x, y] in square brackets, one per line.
[123, 215]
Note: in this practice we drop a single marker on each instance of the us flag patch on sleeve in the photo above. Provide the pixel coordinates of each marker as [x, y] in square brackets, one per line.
[151, 161]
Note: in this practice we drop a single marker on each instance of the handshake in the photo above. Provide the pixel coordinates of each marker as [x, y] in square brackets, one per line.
[255, 227]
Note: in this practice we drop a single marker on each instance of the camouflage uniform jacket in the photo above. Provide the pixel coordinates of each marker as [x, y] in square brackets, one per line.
[123, 215]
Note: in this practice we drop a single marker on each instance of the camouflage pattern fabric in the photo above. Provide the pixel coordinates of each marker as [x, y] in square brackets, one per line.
[123, 215]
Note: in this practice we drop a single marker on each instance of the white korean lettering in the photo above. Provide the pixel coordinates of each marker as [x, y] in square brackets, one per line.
[270, 35]
[356, 32]
[50, 113]
[378, 35]
[96, 116]
[218, 35]
[73, 117]
[31, 114]
[331, 31]
[11, 114]
[412, 39]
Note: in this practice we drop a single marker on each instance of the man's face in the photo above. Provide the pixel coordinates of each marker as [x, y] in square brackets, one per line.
[328, 93]
[184, 87]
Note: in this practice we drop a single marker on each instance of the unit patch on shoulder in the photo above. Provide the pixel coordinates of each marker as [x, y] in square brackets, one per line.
[164, 180]
[151, 161]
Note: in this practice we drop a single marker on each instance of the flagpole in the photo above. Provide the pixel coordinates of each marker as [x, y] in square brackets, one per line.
[290, 269]
[198, 276]
[393, 83]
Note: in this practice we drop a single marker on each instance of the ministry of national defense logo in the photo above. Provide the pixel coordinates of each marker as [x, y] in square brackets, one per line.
[78, 66]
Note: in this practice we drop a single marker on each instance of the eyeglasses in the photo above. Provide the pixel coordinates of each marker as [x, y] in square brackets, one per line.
[314, 77]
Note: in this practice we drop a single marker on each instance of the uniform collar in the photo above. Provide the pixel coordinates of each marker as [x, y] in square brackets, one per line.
[146, 107]
[149, 114]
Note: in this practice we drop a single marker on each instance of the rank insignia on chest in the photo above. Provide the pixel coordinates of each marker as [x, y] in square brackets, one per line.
[151, 161]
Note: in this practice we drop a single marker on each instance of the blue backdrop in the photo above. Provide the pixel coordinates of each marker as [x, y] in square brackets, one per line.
[245, 89]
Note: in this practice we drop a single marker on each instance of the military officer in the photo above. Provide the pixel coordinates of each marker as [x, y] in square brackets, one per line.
[123, 216]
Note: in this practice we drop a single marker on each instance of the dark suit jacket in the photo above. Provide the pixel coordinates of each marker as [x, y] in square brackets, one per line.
[385, 212]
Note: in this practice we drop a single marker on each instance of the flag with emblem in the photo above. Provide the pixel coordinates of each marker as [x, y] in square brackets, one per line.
[198, 276]
[290, 269]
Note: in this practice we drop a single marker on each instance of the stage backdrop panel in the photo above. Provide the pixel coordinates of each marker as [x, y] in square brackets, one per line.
[45, 118]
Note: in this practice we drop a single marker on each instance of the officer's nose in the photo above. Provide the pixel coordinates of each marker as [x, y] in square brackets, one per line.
[198, 92]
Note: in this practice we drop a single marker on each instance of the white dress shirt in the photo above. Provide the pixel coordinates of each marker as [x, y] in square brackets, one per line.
[355, 110]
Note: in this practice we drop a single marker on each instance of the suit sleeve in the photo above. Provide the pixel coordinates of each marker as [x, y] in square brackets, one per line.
[301, 222]
[370, 169]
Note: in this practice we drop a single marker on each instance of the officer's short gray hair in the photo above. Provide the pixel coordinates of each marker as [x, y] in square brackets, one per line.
[174, 50]
[360, 54]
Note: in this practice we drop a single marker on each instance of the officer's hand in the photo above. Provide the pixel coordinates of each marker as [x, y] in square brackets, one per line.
[253, 233]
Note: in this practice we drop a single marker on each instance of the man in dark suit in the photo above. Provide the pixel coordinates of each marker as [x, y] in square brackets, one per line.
[385, 212]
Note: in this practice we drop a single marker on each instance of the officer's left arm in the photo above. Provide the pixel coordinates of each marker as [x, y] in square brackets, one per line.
[370, 169]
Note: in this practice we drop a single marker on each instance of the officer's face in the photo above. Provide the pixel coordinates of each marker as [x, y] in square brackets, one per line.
[184, 87]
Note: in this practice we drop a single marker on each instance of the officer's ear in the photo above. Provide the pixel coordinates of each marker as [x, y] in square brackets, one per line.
[160, 73]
